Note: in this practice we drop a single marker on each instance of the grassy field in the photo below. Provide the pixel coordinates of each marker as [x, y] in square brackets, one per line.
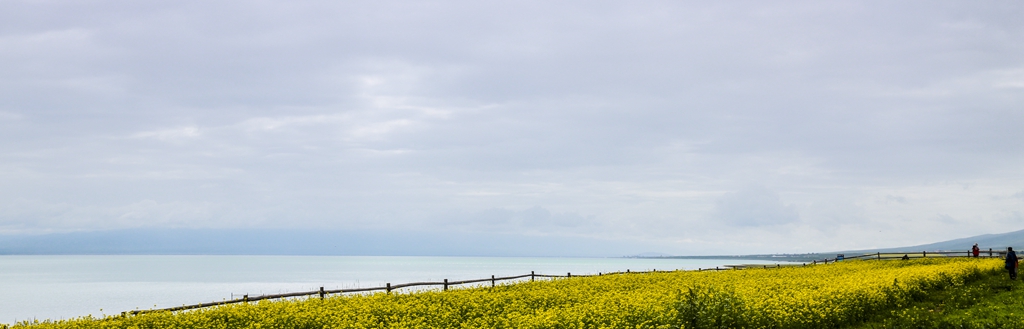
[992, 301]
[869, 294]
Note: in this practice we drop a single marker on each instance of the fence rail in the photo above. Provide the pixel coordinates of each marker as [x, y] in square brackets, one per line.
[322, 293]
[907, 255]
[387, 288]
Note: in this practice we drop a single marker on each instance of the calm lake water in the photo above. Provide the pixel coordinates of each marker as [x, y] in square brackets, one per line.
[63, 287]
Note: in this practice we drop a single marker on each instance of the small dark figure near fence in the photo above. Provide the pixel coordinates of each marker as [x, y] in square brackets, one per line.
[905, 257]
[1011, 263]
[975, 250]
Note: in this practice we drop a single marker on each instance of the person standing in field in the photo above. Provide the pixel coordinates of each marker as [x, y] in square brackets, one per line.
[975, 250]
[1011, 263]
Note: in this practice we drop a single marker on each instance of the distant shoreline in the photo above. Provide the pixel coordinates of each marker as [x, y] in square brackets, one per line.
[778, 257]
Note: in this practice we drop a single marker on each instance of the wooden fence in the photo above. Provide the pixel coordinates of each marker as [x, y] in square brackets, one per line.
[387, 288]
[322, 293]
[908, 255]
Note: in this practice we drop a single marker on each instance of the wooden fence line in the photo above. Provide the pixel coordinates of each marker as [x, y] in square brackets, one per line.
[922, 254]
[322, 293]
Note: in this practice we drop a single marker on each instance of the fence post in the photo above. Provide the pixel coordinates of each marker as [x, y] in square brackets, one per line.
[924, 254]
[492, 280]
[321, 292]
[990, 252]
[815, 262]
[879, 255]
[389, 287]
[245, 298]
[445, 284]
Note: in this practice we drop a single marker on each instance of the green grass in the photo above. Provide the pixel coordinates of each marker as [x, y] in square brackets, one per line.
[993, 301]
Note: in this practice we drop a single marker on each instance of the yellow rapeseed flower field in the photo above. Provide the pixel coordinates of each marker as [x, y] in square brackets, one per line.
[819, 296]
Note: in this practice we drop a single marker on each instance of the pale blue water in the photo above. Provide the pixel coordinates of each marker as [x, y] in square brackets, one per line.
[63, 287]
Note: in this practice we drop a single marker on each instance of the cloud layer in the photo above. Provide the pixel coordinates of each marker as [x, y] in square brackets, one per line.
[723, 127]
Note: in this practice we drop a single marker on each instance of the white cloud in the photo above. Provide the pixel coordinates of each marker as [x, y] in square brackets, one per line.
[10, 116]
[535, 220]
[49, 42]
[172, 134]
[755, 206]
[266, 124]
[1009, 78]
[895, 198]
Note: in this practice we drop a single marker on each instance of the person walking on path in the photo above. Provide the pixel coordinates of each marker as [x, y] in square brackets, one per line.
[975, 250]
[1011, 263]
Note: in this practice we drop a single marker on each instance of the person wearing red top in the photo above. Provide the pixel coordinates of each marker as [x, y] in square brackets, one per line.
[975, 250]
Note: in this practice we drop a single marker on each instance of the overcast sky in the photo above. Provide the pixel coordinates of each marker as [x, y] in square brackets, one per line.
[696, 127]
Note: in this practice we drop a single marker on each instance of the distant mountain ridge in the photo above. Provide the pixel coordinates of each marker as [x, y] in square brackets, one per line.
[984, 241]
[998, 241]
